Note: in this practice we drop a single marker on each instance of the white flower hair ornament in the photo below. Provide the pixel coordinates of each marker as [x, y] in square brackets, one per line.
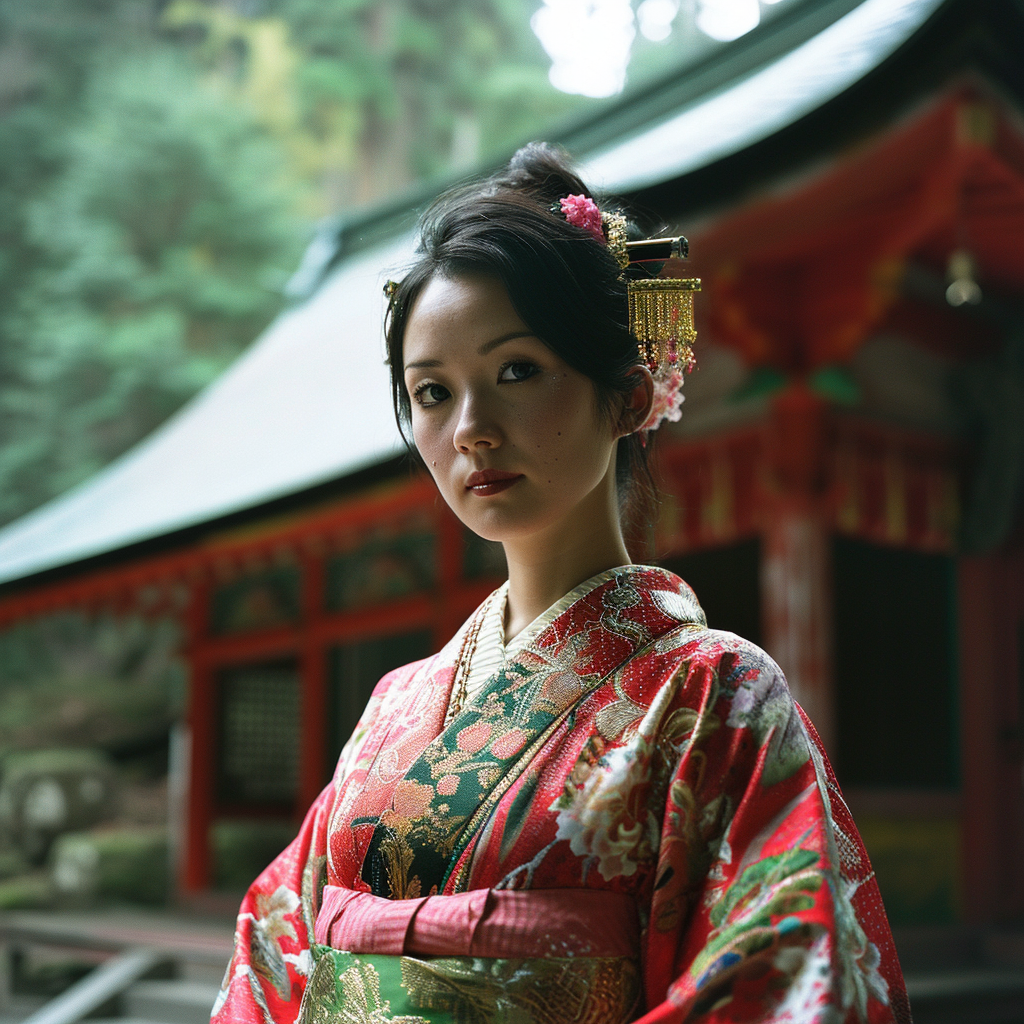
[660, 308]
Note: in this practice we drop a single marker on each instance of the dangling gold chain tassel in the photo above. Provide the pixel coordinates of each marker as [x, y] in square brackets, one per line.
[661, 319]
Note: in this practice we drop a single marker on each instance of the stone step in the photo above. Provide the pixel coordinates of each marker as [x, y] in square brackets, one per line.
[170, 1002]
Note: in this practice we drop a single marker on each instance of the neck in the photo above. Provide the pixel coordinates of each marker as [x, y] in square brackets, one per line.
[545, 566]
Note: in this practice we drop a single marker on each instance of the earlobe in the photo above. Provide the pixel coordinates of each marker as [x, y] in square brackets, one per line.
[637, 403]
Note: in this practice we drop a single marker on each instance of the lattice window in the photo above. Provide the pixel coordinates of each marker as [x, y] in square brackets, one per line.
[258, 749]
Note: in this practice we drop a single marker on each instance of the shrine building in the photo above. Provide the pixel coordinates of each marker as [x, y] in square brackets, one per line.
[844, 488]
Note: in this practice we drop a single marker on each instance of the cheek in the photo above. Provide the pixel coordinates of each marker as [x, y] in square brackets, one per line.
[568, 426]
[430, 441]
[569, 457]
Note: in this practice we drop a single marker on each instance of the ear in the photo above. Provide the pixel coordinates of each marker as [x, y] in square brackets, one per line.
[637, 403]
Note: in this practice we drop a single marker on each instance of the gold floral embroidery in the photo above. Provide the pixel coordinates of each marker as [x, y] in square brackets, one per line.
[613, 719]
[398, 857]
[318, 999]
[354, 998]
[584, 990]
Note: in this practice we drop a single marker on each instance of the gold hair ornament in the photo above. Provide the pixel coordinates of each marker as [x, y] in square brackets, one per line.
[661, 320]
[616, 232]
[660, 308]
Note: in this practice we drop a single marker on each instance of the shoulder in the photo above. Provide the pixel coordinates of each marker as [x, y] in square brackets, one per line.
[399, 678]
[717, 671]
[734, 670]
[744, 688]
[691, 646]
[685, 644]
[732, 656]
[747, 676]
[397, 688]
[389, 696]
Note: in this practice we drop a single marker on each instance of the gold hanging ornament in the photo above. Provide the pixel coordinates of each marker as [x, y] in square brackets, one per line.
[661, 319]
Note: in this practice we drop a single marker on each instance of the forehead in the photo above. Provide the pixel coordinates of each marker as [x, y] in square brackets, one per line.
[459, 311]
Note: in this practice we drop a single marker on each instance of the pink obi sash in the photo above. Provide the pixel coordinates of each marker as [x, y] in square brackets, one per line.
[483, 922]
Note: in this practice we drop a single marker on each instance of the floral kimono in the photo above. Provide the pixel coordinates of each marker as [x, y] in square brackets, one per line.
[631, 820]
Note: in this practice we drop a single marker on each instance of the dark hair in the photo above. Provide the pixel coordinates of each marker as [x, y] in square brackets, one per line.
[563, 283]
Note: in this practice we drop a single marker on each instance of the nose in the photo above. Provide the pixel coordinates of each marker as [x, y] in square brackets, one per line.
[476, 427]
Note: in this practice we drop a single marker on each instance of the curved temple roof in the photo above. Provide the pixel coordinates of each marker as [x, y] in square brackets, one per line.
[765, 101]
[308, 402]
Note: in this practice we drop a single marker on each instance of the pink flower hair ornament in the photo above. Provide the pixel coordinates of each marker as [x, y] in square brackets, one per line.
[582, 212]
[668, 400]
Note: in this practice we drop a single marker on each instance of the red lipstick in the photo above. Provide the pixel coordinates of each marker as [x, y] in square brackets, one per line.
[491, 481]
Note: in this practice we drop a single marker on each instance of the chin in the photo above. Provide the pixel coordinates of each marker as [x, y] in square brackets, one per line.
[501, 525]
[489, 528]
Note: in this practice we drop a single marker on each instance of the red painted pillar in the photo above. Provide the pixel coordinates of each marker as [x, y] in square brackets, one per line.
[196, 864]
[796, 578]
[313, 680]
[991, 629]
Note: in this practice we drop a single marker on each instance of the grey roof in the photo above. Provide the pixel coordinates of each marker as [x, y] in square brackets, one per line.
[764, 101]
[309, 401]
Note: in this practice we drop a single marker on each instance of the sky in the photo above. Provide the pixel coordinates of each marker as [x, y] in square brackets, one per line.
[589, 41]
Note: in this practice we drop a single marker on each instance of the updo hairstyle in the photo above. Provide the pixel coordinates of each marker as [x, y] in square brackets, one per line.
[564, 284]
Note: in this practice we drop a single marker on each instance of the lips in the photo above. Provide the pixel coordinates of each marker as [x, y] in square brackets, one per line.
[491, 481]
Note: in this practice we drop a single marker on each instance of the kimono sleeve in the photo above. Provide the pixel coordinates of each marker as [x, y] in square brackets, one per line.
[267, 973]
[266, 977]
[765, 907]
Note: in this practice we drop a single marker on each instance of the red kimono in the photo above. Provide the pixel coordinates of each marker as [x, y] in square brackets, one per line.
[632, 821]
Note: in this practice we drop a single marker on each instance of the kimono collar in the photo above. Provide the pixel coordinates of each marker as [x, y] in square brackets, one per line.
[667, 594]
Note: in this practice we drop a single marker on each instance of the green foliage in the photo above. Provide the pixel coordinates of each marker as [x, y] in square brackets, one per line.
[369, 95]
[69, 679]
[34, 763]
[159, 248]
[160, 164]
[26, 892]
[120, 865]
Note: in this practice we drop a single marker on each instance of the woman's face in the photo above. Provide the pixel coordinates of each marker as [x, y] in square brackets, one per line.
[512, 434]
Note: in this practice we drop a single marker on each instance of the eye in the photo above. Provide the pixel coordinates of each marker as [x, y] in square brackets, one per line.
[428, 394]
[517, 371]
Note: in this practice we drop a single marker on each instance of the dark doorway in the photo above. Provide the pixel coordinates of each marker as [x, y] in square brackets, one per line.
[894, 658]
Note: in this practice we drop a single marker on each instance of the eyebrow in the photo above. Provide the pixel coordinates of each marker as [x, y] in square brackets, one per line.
[487, 346]
[490, 346]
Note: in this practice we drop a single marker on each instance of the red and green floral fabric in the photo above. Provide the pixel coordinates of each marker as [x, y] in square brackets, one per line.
[627, 748]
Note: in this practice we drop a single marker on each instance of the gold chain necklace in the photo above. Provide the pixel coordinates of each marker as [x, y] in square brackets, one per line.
[465, 660]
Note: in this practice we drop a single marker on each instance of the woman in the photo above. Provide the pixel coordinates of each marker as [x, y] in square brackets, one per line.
[588, 806]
